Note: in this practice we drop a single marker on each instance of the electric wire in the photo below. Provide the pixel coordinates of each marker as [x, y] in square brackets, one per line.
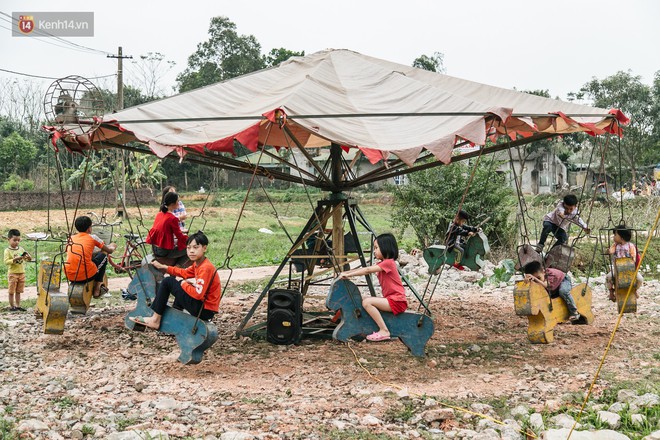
[41, 33]
[50, 77]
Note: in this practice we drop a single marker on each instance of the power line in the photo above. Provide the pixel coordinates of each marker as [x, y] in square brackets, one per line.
[36, 38]
[49, 77]
[46, 34]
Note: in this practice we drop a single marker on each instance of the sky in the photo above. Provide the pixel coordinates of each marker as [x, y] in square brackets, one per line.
[527, 45]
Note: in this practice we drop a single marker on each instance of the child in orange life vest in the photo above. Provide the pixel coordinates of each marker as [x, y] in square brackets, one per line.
[622, 248]
[394, 297]
[199, 290]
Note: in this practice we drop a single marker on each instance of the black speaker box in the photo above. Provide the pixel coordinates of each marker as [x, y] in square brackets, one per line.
[284, 322]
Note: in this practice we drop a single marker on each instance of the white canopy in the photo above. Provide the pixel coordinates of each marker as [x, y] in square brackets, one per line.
[346, 98]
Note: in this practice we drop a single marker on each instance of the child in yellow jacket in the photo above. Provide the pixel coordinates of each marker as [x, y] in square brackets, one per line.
[15, 258]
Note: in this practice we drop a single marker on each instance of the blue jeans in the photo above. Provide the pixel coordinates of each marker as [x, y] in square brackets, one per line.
[560, 235]
[564, 292]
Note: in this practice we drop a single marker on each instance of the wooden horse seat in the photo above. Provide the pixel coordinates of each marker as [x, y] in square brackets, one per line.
[80, 296]
[475, 248]
[624, 277]
[413, 329]
[52, 304]
[174, 322]
[545, 312]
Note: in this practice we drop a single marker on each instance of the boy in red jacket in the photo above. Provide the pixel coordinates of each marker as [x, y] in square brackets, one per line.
[199, 290]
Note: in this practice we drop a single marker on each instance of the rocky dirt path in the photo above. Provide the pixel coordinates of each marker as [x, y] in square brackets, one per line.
[99, 380]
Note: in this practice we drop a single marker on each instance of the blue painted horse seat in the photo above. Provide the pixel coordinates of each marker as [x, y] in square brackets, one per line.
[174, 322]
[413, 329]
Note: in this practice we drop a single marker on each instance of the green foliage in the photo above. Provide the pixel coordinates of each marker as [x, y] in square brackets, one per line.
[429, 202]
[402, 412]
[276, 56]
[17, 183]
[225, 55]
[641, 103]
[433, 63]
[132, 97]
[124, 422]
[501, 273]
[88, 430]
[7, 429]
[65, 402]
[16, 154]
[144, 170]
[590, 420]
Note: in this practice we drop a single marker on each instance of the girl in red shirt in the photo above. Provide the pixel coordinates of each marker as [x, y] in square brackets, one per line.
[394, 297]
[199, 289]
[166, 229]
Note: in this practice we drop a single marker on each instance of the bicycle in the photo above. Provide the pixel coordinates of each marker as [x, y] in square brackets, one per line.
[135, 249]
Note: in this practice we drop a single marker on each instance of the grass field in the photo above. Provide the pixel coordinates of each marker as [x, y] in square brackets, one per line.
[252, 248]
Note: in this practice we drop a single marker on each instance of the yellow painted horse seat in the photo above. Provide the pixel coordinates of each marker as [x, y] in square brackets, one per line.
[545, 311]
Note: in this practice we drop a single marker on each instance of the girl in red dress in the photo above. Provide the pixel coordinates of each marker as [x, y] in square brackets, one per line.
[394, 297]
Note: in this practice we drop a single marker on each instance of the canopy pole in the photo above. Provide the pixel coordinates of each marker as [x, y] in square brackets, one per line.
[305, 153]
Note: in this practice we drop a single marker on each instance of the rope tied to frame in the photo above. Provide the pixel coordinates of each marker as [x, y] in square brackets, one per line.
[616, 325]
[228, 256]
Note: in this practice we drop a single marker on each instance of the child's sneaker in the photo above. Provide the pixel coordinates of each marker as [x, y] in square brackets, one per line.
[458, 266]
[575, 317]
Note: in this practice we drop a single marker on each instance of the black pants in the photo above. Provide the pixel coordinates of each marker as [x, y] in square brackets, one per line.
[182, 301]
[167, 253]
[560, 235]
[100, 260]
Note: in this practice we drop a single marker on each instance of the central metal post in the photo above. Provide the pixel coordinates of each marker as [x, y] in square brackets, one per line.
[338, 211]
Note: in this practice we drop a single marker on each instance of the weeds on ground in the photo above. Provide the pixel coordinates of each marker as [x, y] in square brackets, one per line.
[65, 402]
[401, 412]
[7, 429]
[590, 420]
[125, 422]
[351, 434]
[88, 430]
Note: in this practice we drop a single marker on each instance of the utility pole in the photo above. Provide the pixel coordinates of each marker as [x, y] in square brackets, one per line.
[119, 106]
[120, 77]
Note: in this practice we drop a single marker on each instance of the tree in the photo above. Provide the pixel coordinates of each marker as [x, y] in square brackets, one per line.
[430, 200]
[16, 154]
[132, 97]
[433, 63]
[150, 70]
[276, 56]
[22, 103]
[638, 101]
[225, 55]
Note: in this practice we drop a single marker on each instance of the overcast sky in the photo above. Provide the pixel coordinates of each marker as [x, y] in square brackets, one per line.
[525, 44]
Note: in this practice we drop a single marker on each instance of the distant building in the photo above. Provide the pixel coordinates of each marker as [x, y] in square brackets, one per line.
[542, 171]
[582, 172]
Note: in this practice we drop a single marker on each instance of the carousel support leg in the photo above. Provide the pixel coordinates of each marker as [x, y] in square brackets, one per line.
[297, 244]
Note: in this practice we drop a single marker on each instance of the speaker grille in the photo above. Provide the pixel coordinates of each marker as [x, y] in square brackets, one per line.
[284, 322]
